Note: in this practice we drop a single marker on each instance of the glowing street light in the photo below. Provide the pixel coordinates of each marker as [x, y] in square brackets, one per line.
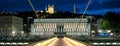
[108, 43]
[22, 32]
[41, 11]
[111, 34]
[108, 31]
[93, 31]
[100, 31]
[13, 33]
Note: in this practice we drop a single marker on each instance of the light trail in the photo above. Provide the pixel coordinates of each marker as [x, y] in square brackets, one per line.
[60, 42]
[86, 8]
[33, 8]
[44, 43]
[84, 13]
[75, 43]
[35, 12]
[13, 43]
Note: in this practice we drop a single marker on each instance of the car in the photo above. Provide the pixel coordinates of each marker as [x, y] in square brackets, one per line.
[60, 36]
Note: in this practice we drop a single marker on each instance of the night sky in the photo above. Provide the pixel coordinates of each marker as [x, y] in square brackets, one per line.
[96, 6]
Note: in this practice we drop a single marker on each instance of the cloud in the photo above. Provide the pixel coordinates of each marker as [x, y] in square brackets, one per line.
[103, 11]
[104, 4]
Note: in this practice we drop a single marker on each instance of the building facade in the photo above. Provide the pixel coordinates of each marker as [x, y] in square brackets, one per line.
[10, 25]
[53, 27]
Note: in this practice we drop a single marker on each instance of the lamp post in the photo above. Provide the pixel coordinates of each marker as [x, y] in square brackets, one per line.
[109, 32]
[22, 32]
[13, 33]
[100, 31]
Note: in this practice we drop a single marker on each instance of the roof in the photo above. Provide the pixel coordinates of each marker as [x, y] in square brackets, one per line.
[62, 20]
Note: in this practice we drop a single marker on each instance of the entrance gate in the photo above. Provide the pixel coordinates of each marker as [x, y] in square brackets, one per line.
[60, 31]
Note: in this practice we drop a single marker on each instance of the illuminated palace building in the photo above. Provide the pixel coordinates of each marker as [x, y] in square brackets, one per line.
[64, 27]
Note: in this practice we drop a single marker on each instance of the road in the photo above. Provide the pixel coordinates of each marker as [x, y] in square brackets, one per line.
[60, 42]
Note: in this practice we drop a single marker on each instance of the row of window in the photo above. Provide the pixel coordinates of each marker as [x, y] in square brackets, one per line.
[54, 25]
[60, 20]
[63, 31]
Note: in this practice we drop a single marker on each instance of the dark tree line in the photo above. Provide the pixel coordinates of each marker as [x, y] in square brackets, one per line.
[111, 20]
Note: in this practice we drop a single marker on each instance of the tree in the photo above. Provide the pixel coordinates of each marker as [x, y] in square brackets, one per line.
[111, 21]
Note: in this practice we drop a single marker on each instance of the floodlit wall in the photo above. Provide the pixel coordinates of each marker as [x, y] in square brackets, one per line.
[47, 27]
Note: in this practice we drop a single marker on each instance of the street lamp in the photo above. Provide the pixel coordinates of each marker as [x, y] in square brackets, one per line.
[111, 34]
[41, 11]
[13, 33]
[92, 31]
[22, 32]
[108, 31]
[99, 31]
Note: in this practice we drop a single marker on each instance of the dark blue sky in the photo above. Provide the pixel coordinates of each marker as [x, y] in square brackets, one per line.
[96, 6]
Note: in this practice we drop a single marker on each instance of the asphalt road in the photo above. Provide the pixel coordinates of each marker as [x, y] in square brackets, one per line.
[60, 42]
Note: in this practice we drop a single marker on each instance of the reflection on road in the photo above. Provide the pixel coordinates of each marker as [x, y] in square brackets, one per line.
[60, 42]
